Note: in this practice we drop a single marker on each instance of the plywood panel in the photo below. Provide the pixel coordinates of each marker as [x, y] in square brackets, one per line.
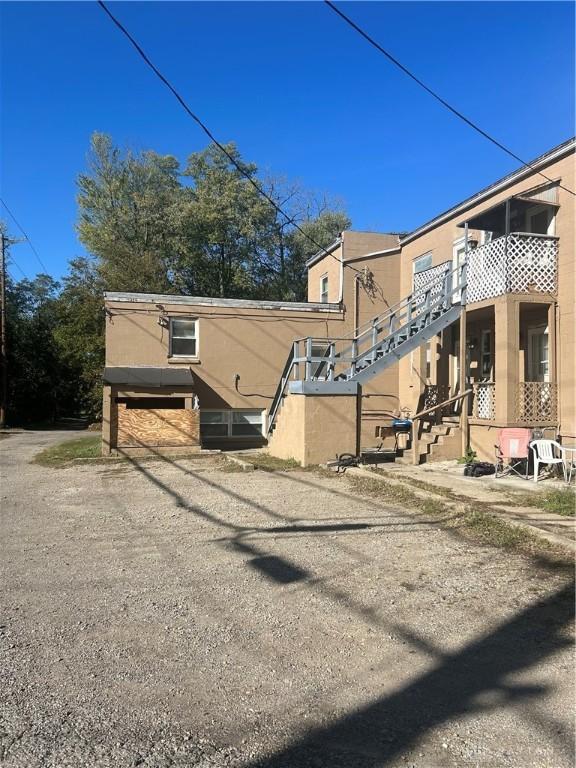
[162, 427]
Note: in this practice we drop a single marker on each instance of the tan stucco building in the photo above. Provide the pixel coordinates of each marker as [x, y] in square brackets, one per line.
[388, 320]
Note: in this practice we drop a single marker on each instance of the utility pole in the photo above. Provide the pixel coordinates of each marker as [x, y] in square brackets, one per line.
[4, 398]
[6, 241]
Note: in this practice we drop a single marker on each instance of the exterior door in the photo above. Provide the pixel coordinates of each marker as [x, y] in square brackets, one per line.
[538, 368]
[458, 258]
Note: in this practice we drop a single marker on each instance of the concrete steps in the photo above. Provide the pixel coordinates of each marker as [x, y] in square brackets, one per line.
[441, 443]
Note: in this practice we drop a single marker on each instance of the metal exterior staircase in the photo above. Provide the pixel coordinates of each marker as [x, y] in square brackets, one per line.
[339, 364]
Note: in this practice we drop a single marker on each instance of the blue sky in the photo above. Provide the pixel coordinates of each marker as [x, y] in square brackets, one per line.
[300, 92]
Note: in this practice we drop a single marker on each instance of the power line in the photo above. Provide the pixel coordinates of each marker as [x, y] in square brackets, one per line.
[34, 251]
[18, 267]
[435, 95]
[209, 133]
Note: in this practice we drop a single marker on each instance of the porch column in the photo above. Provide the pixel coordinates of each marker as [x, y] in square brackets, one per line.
[552, 364]
[506, 363]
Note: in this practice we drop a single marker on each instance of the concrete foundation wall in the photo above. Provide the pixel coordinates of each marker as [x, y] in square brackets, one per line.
[314, 428]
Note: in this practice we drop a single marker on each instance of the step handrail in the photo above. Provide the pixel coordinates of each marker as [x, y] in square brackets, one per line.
[277, 399]
[416, 419]
[363, 329]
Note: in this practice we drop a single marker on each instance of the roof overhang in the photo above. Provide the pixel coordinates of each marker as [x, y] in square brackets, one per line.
[540, 162]
[161, 300]
[321, 254]
[493, 219]
[148, 376]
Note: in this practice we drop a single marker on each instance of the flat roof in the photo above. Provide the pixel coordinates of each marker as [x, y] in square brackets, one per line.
[205, 301]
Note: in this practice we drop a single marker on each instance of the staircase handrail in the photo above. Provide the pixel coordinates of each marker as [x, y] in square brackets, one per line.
[443, 404]
[284, 379]
[400, 317]
[357, 332]
[416, 419]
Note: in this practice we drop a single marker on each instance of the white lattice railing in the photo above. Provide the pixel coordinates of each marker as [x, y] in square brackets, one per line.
[485, 400]
[517, 263]
[430, 277]
[537, 402]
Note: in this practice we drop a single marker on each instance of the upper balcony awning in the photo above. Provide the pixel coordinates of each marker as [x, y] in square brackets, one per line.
[493, 219]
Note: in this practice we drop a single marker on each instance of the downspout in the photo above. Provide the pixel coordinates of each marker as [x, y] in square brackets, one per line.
[357, 277]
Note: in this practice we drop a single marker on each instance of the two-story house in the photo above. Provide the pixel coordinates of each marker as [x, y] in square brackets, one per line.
[389, 319]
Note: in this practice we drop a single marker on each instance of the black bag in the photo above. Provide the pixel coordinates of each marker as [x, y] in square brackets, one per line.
[479, 469]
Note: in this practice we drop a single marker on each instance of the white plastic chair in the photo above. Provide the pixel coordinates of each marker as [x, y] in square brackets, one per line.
[547, 452]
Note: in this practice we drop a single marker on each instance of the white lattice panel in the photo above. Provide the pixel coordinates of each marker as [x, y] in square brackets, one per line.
[532, 263]
[485, 400]
[432, 277]
[487, 271]
[524, 264]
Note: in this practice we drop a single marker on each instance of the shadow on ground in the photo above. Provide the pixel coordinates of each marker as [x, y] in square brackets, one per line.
[473, 680]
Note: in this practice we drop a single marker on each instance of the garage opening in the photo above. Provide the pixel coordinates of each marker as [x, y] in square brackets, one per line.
[156, 422]
[156, 403]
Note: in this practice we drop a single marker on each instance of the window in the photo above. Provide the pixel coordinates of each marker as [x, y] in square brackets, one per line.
[540, 220]
[486, 355]
[231, 423]
[214, 423]
[324, 289]
[247, 424]
[422, 262]
[183, 338]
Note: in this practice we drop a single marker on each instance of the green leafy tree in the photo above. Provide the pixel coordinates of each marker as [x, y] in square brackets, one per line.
[39, 385]
[129, 215]
[79, 334]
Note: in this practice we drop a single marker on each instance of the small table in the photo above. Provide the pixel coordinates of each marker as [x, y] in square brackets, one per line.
[569, 456]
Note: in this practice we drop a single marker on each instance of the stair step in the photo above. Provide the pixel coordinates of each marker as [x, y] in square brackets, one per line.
[431, 438]
[441, 429]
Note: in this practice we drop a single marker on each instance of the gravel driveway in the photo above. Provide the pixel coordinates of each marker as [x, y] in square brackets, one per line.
[170, 613]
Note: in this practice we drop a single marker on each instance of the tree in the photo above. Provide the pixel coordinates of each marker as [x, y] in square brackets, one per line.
[79, 334]
[39, 386]
[205, 231]
[130, 216]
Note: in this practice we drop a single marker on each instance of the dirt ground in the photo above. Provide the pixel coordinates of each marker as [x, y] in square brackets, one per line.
[170, 613]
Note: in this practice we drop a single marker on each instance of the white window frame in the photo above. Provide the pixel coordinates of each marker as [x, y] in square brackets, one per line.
[229, 420]
[196, 338]
[324, 278]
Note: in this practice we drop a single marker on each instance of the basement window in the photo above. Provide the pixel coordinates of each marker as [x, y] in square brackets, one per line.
[183, 337]
[152, 403]
[231, 423]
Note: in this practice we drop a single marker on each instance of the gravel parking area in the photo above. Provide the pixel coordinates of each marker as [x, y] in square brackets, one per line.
[171, 613]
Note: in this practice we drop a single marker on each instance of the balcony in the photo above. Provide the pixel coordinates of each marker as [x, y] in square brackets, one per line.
[516, 263]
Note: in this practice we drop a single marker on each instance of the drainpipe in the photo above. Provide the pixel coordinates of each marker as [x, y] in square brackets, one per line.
[357, 277]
